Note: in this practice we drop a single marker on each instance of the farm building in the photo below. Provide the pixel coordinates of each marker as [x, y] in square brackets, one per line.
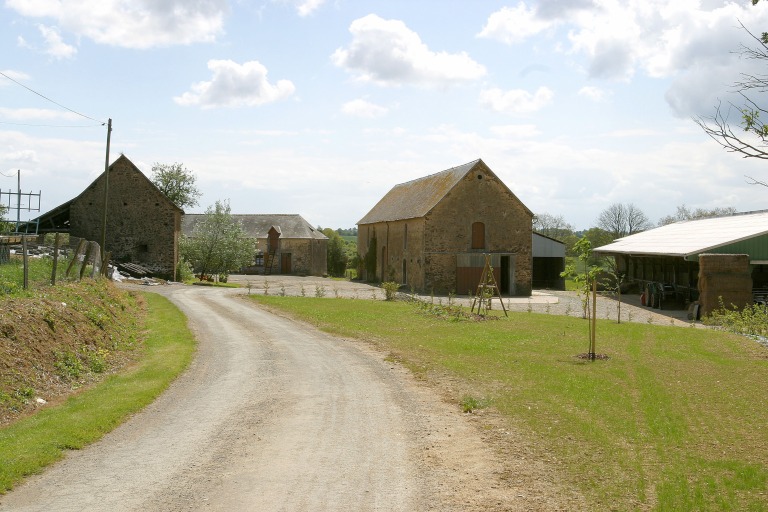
[548, 262]
[287, 244]
[432, 233]
[143, 225]
[700, 260]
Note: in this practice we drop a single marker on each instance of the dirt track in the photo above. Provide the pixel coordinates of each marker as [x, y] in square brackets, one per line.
[274, 415]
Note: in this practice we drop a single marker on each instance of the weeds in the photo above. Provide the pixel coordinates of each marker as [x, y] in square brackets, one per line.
[319, 290]
[266, 287]
[390, 290]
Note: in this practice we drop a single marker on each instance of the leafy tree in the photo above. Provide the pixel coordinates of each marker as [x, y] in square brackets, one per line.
[584, 280]
[553, 226]
[218, 243]
[684, 213]
[177, 183]
[621, 220]
[337, 256]
[347, 232]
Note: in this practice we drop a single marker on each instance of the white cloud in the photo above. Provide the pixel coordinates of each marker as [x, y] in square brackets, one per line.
[132, 24]
[14, 75]
[363, 108]
[236, 85]
[514, 24]
[516, 101]
[55, 45]
[388, 53]
[307, 7]
[595, 94]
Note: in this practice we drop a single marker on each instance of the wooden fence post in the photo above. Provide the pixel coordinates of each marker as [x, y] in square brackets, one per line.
[80, 246]
[55, 259]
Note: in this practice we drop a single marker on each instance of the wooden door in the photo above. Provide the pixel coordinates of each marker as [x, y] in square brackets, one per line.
[285, 263]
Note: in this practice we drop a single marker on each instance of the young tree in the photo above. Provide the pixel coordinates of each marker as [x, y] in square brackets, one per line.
[218, 243]
[337, 256]
[621, 220]
[177, 183]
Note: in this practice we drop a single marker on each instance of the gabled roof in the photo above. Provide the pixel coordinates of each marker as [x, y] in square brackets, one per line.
[58, 217]
[258, 225]
[416, 198]
[688, 238]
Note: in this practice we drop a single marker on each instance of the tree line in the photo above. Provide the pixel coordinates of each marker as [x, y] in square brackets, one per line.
[616, 221]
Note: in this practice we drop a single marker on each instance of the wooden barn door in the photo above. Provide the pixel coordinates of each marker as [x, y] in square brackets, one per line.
[285, 263]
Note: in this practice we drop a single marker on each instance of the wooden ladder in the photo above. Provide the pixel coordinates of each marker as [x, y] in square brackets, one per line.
[487, 289]
[269, 261]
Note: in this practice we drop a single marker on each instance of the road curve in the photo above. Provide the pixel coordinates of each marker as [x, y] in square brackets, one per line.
[272, 415]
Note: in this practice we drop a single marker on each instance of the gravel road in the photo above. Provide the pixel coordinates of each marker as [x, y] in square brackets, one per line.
[275, 416]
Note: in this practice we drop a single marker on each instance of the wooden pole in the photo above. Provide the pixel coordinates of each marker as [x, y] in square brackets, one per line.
[26, 262]
[55, 259]
[106, 189]
[593, 320]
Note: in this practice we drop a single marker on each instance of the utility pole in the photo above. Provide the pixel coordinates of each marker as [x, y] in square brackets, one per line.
[106, 191]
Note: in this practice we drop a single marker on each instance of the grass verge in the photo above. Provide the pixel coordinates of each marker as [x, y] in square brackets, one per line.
[675, 419]
[32, 443]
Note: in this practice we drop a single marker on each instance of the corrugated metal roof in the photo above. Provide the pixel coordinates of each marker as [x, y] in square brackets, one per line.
[692, 237]
[258, 225]
[414, 199]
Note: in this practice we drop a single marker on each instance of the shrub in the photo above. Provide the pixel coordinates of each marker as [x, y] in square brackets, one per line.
[390, 289]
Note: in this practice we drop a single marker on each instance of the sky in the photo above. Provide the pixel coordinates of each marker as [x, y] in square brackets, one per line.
[319, 107]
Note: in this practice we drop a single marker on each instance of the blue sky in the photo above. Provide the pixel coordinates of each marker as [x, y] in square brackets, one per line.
[319, 107]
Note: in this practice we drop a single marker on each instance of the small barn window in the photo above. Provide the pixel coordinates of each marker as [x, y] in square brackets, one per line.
[478, 235]
[405, 273]
[405, 236]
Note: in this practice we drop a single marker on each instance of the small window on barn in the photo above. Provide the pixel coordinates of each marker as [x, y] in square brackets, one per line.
[125, 204]
[478, 235]
[143, 248]
[405, 236]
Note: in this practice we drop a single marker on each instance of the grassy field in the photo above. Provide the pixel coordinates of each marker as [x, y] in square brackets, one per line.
[675, 419]
[34, 442]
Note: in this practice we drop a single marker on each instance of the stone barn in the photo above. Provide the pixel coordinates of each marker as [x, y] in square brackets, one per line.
[143, 225]
[432, 233]
[700, 260]
[287, 243]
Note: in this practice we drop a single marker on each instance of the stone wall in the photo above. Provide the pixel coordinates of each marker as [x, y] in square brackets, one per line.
[308, 256]
[143, 226]
[479, 197]
[724, 275]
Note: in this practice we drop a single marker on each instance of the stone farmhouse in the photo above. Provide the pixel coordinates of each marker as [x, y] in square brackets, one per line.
[287, 243]
[432, 233]
[143, 225]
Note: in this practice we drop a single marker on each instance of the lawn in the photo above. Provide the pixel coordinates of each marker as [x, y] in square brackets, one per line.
[675, 418]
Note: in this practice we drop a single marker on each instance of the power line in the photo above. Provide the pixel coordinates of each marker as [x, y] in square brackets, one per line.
[54, 125]
[49, 99]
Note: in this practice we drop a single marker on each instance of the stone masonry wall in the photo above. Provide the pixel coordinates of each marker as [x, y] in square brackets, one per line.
[479, 197]
[724, 275]
[308, 256]
[143, 226]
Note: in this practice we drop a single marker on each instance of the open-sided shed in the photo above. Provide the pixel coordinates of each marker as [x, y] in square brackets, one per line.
[671, 254]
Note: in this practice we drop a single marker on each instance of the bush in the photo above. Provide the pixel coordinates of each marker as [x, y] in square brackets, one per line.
[390, 289]
[752, 320]
[184, 271]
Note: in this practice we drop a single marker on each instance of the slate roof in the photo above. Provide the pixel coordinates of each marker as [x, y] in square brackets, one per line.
[416, 198]
[258, 225]
[688, 238]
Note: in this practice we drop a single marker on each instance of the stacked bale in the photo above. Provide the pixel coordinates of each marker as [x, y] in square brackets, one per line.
[724, 275]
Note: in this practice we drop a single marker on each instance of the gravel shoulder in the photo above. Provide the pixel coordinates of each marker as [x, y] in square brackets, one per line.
[274, 415]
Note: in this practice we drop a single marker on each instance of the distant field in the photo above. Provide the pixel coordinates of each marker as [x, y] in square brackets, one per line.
[349, 238]
[675, 419]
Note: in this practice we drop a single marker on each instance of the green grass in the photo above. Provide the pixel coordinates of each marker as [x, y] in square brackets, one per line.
[32, 443]
[676, 419]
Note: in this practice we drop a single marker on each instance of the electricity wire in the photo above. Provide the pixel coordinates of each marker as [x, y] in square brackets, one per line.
[102, 123]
